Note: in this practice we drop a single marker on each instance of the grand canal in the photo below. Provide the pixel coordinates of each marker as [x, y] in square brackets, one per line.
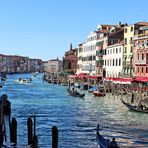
[75, 118]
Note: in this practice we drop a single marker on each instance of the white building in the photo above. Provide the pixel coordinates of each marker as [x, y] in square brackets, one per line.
[54, 66]
[87, 55]
[113, 60]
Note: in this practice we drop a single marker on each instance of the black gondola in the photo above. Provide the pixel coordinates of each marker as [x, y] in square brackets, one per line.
[134, 107]
[75, 93]
[105, 143]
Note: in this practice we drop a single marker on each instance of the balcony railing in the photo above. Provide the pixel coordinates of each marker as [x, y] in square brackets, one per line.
[127, 64]
[140, 36]
[140, 62]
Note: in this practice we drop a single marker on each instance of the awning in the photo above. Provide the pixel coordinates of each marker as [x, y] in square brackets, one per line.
[141, 79]
[82, 75]
[72, 76]
[120, 80]
[94, 77]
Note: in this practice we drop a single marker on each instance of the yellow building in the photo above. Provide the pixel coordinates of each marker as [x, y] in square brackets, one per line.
[129, 32]
[128, 50]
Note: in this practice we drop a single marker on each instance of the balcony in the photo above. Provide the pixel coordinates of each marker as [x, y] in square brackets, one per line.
[141, 62]
[127, 64]
[140, 36]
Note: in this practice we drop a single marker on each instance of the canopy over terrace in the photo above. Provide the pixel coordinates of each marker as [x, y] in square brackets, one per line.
[141, 79]
[84, 75]
[120, 80]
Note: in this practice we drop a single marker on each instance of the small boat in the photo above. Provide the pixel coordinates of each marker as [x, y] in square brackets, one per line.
[134, 107]
[75, 93]
[98, 94]
[25, 80]
[105, 143]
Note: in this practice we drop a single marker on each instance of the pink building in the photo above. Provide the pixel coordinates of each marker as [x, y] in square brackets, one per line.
[140, 49]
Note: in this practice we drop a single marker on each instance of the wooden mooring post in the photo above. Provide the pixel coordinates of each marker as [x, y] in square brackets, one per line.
[29, 126]
[34, 138]
[13, 131]
[54, 137]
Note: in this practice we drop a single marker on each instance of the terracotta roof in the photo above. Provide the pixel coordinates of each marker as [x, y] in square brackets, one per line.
[141, 24]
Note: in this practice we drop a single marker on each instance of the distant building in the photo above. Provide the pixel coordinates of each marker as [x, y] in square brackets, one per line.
[19, 64]
[70, 60]
[54, 66]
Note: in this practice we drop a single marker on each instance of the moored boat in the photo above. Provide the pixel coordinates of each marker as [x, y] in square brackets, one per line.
[98, 94]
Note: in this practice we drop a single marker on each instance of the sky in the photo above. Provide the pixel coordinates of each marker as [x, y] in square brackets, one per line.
[44, 29]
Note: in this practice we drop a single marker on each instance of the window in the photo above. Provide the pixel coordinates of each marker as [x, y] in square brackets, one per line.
[133, 69]
[138, 70]
[116, 62]
[134, 44]
[131, 49]
[116, 50]
[142, 43]
[125, 50]
[125, 40]
[138, 56]
[131, 29]
[125, 30]
[120, 50]
[110, 51]
[142, 69]
[142, 56]
[113, 62]
[146, 69]
[138, 43]
[113, 50]
[119, 62]
[146, 56]
[147, 43]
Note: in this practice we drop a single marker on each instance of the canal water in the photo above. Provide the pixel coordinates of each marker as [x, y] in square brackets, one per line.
[75, 118]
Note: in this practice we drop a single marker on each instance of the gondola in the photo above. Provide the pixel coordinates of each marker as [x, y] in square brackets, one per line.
[133, 107]
[75, 93]
[105, 143]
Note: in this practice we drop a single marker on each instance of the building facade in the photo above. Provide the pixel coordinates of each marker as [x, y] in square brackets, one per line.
[19, 64]
[70, 61]
[140, 48]
[87, 55]
[113, 60]
[54, 66]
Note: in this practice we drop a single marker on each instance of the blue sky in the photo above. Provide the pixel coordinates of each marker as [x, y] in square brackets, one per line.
[45, 28]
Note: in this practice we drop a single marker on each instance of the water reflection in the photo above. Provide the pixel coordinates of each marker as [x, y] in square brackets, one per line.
[75, 118]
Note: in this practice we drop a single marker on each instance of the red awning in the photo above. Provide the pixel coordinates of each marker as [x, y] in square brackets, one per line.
[82, 75]
[94, 77]
[72, 76]
[120, 80]
[141, 79]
